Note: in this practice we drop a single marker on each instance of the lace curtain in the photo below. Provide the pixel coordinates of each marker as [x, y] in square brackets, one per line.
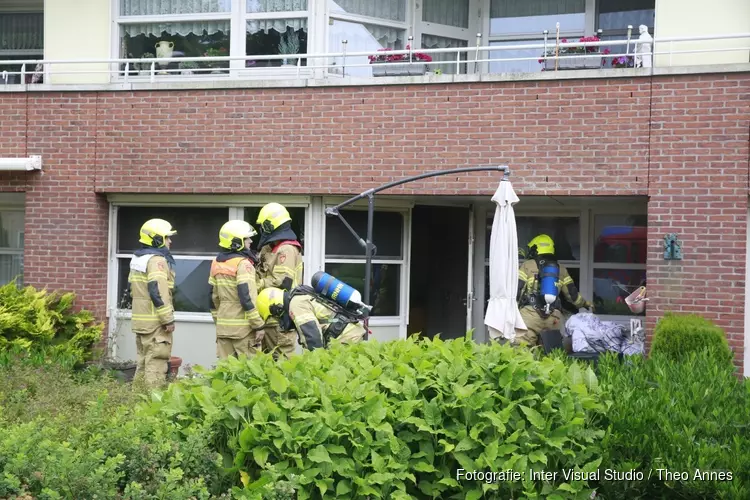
[22, 31]
[441, 42]
[393, 10]
[275, 5]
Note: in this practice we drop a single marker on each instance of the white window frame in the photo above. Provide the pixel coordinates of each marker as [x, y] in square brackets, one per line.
[19, 235]
[237, 17]
[402, 318]
[624, 212]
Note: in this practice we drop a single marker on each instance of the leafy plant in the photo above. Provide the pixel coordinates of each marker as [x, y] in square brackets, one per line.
[396, 420]
[677, 336]
[689, 415]
[35, 320]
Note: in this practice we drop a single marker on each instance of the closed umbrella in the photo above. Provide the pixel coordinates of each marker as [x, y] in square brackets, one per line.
[503, 316]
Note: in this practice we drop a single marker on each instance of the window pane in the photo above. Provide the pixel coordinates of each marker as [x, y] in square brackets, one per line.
[385, 287]
[509, 17]
[197, 228]
[361, 37]
[176, 40]
[11, 229]
[618, 14]
[163, 7]
[522, 60]
[393, 10]
[620, 239]
[11, 266]
[266, 37]
[387, 230]
[611, 286]
[296, 213]
[276, 5]
[191, 293]
[446, 12]
[441, 42]
[565, 231]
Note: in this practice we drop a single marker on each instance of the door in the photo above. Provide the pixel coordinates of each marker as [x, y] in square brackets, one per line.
[441, 24]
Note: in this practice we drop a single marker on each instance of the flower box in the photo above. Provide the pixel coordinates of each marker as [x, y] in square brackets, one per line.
[573, 61]
[380, 68]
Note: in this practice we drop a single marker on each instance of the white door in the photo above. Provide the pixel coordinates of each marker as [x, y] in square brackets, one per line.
[470, 297]
[440, 24]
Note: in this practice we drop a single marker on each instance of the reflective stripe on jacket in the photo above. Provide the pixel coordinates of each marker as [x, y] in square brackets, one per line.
[234, 296]
[151, 285]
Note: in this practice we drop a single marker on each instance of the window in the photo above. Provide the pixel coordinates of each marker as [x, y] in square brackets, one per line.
[345, 258]
[298, 222]
[11, 246]
[564, 230]
[619, 261]
[366, 25]
[447, 24]
[613, 18]
[193, 247]
[523, 22]
[22, 38]
[276, 27]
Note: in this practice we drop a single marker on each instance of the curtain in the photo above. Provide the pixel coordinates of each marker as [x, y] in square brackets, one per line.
[393, 10]
[361, 38]
[441, 42]
[163, 7]
[275, 5]
[525, 8]
[22, 31]
[280, 25]
[11, 266]
[446, 12]
[177, 28]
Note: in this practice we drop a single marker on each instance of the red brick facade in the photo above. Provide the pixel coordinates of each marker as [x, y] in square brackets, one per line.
[682, 140]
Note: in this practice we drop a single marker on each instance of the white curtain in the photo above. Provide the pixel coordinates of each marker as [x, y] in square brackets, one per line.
[280, 25]
[446, 12]
[275, 5]
[177, 28]
[393, 10]
[11, 266]
[21, 31]
[163, 7]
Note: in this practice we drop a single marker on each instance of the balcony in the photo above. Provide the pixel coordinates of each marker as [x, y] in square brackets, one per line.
[555, 57]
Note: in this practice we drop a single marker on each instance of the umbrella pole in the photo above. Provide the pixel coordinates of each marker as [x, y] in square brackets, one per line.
[371, 249]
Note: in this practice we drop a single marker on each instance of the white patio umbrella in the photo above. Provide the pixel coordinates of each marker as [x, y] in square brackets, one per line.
[503, 316]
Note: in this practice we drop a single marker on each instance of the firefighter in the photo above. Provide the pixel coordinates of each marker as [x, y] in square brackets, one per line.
[151, 284]
[538, 292]
[234, 292]
[316, 319]
[280, 267]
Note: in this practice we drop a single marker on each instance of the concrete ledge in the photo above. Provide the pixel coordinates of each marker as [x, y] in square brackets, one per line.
[335, 81]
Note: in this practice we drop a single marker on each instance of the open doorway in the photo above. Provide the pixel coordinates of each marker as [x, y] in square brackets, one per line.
[439, 269]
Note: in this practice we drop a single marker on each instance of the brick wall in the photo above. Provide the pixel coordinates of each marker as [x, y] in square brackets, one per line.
[571, 137]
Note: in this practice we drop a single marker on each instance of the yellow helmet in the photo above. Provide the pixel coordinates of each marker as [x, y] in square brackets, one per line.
[271, 216]
[233, 233]
[155, 231]
[270, 302]
[541, 245]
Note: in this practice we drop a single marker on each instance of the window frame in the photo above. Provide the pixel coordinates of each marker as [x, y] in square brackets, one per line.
[403, 300]
[20, 235]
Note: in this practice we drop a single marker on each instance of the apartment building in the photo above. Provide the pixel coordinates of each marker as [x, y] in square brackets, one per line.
[198, 111]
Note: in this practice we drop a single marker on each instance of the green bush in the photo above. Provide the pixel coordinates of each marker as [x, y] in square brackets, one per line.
[34, 320]
[684, 415]
[396, 420]
[77, 435]
[677, 336]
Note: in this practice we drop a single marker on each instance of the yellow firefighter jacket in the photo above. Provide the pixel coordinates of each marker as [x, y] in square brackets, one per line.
[151, 285]
[316, 322]
[281, 266]
[528, 287]
[234, 294]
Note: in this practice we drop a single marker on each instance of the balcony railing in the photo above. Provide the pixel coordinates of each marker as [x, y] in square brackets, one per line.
[553, 56]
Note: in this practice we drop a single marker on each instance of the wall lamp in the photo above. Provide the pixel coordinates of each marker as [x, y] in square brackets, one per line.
[33, 162]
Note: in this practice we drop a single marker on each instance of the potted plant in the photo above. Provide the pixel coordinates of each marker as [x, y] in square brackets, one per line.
[623, 62]
[288, 45]
[145, 67]
[387, 68]
[570, 57]
[188, 67]
[212, 52]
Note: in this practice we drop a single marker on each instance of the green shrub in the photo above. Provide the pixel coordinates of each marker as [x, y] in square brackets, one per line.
[683, 415]
[34, 320]
[396, 420]
[676, 336]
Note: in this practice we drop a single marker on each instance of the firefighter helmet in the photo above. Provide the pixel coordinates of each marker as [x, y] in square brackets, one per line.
[271, 216]
[270, 302]
[154, 232]
[541, 245]
[233, 233]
